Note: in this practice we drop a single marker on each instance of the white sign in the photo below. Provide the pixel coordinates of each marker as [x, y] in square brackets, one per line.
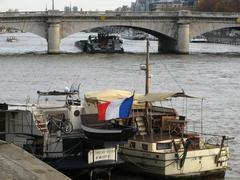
[101, 155]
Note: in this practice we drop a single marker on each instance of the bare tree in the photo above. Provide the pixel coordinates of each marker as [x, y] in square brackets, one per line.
[219, 5]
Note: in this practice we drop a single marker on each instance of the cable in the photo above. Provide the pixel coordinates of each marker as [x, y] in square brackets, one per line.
[179, 86]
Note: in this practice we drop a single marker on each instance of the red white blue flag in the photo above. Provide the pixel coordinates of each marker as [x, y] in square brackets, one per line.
[116, 109]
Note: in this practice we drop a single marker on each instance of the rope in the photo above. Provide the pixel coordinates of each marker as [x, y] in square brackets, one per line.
[179, 86]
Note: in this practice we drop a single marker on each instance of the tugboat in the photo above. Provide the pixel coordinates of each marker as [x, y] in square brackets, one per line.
[54, 132]
[101, 43]
[164, 147]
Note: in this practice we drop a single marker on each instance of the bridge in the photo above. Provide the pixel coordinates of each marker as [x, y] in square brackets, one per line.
[173, 29]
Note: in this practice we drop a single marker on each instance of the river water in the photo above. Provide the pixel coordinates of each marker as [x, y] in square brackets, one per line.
[211, 71]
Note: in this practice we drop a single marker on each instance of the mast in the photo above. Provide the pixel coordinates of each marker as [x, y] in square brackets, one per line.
[147, 76]
[149, 122]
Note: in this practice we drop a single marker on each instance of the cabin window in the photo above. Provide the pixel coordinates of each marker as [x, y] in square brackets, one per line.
[133, 145]
[145, 147]
[161, 146]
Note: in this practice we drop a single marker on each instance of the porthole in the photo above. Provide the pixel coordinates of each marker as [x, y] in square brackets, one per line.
[76, 113]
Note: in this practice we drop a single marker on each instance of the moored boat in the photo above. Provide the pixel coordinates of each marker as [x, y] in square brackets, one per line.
[165, 146]
[52, 130]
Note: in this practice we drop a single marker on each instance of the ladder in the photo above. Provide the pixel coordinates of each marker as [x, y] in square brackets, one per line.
[40, 122]
[142, 130]
[223, 154]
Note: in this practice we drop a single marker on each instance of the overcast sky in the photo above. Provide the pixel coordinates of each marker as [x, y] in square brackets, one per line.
[40, 5]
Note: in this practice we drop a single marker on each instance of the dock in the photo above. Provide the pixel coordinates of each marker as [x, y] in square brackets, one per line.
[16, 163]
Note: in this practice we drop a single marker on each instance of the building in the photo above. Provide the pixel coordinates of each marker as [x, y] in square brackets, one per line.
[141, 5]
[69, 9]
[160, 5]
[75, 9]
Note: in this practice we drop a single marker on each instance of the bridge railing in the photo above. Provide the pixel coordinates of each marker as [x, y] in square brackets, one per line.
[25, 13]
[183, 13]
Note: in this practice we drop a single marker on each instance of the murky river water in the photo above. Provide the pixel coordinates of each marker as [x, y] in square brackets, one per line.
[216, 77]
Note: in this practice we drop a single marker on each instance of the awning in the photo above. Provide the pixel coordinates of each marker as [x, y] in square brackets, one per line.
[113, 94]
[107, 95]
[153, 97]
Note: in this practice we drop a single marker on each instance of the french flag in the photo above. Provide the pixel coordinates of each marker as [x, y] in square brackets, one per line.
[116, 109]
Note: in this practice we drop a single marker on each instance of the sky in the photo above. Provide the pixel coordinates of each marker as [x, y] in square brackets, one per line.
[40, 5]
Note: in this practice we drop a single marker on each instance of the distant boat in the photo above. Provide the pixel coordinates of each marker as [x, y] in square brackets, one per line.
[11, 39]
[199, 39]
[102, 43]
[134, 35]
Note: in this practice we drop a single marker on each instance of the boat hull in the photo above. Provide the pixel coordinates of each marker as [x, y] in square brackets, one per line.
[105, 131]
[119, 137]
[198, 163]
[133, 168]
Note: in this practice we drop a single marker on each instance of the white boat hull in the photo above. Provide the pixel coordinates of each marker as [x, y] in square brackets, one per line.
[197, 163]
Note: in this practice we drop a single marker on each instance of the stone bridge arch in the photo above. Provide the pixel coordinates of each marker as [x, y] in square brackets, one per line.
[166, 43]
[39, 28]
[197, 29]
[165, 32]
[158, 29]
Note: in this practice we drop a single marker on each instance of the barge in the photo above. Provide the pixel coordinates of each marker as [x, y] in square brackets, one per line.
[101, 43]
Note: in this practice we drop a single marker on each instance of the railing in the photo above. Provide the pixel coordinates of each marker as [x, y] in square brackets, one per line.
[194, 127]
[183, 13]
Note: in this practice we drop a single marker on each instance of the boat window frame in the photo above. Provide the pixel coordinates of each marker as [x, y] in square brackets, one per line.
[164, 147]
[145, 147]
[132, 145]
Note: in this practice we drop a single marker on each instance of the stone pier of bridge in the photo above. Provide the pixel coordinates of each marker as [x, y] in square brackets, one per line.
[54, 36]
[183, 40]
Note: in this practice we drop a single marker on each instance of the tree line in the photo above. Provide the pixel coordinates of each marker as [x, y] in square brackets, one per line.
[219, 5]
